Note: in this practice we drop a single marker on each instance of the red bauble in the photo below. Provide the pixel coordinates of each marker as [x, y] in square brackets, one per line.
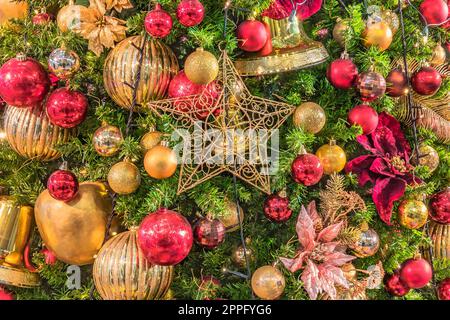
[5, 295]
[165, 237]
[434, 11]
[342, 73]
[306, 169]
[252, 35]
[444, 289]
[440, 207]
[190, 12]
[158, 23]
[268, 47]
[42, 18]
[365, 117]
[276, 208]
[426, 81]
[416, 273]
[394, 285]
[396, 83]
[66, 108]
[23, 82]
[49, 257]
[371, 85]
[62, 185]
[209, 233]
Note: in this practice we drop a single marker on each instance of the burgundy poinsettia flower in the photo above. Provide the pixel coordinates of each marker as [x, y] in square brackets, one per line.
[387, 168]
[319, 256]
[281, 9]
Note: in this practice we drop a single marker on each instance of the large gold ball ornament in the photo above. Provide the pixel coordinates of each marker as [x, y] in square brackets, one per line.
[201, 67]
[310, 117]
[229, 217]
[124, 177]
[367, 244]
[159, 66]
[121, 271]
[71, 16]
[11, 9]
[268, 283]
[151, 139]
[107, 140]
[160, 162]
[378, 34]
[412, 214]
[74, 231]
[439, 55]
[339, 31]
[332, 157]
[428, 157]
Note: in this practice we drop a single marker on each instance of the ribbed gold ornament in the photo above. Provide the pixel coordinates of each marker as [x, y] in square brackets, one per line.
[121, 272]
[158, 66]
[440, 241]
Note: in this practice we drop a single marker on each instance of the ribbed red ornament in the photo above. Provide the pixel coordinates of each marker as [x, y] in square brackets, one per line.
[394, 285]
[158, 23]
[434, 11]
[209, 233]
[66, 108]
[306, 169]
[342, 73]
[416, 273]
[63, 185]
[276, 208]
[440, 207]
[364, 116]
[251, 35]
[426, 81]
[190, 12]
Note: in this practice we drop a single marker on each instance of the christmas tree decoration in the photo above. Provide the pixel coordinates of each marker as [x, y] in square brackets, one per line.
[120, 69]
[124, 178]
[396, 83]
[160, 162]
[190, 12]
[349, 271]
[12, 10]
[30, 133]
[306, 169]
[239, 253]
[276, 208]
[23, 82]
[72, 16]
[63, 63]
[63, 185]
[5, 295]
[209, 233]
[426, 81]
[158, 23]
[230, 217]
[181, 87]
[280, 9]
[332, 157]
[342, 73]
[66, 108]
[165, 237]
[428, 157]
[208, 287]
[107, 140]
[439, 55]
[371, 85]
[151, 139]
[59, 223]
[267, 49]
[444, 289]
[394, 285]
[435, 12]
[268, 283]
[121, 271]
[367, 243]
[440, 206]
[339, 31]
[391, 18]
[310, 117]
[416, 273]
[378, 34]
[251, 35]
[412, 214]
[365, 117]
[201, 67]
[49, 257]
[440, 238]
[42, 19]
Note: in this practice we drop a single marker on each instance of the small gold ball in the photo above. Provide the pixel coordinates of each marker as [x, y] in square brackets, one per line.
[160, 162]
[310, 117]
[428, 157]
[332, 157]
[439, 55]
[124, 178]
[201, 67]
[229, 217]
[378, 34]
[339, 30]
[150, 140]
[107, 140]
[412, 214]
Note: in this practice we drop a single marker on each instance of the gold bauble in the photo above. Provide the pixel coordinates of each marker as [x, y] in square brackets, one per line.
[71, 16]
[310, 117]
[339, 31]
[349, 271]
[412, 214]
[150, 140]
[428, 157]
[238, 256]
[229, 217]
[268, 283]
[74, 231]
[9, 214]
[391, 18]
[124, 177]
[107, 140]
[367, 244]
[160, 162]
[439, 55]
[159, 66]
[11, 9]
[332, 157]
[121, 271]
[201, 67]
[378, 34]
[440, 241]
[30, 133]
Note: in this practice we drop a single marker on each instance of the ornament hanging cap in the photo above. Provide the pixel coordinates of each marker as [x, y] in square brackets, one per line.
[64, 165]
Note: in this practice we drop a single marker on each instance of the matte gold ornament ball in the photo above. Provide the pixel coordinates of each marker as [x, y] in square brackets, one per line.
[160, 162]
[124, 177]
[378, 34]
[201, 67]
[332, 157]
[268, 283]
[150, 139]
[310, 117]
[412, 214]
[107, 140]
[339, 30]
[428, 157]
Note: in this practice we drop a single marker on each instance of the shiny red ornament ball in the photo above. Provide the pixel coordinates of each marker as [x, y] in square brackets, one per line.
[63, 185]
[364, 116]
[434, 11]
[209, 233]
[440, 207]
[66, 108]
[394, 285]
[42, 18]
[444, 289]
[396, 83]
[23, 82]
[165, 237]
[276, 208]
[251, 35]
[190, 12]
[416, 273]
[5, 295]
[158, 23]
[306, 169]
[371, 85]
[342, 73]
[426, 81]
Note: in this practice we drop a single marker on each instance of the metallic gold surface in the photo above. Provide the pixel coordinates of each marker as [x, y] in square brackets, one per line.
[107, 140]
[201, 67]
[230, 218]
[440, 241]
[71, 16]
[24, 222]
[310, 117]
[9, 216]
[124, 177]
[378, 34]
[268, 283]
[160, 162]
[332, 157]
[439, 55]
[339, 30]
[150, 140]
[10, 9]
[412, 214]
[18, 277]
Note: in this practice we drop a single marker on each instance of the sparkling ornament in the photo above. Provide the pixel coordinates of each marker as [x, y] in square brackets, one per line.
[42, 18]
[378, 34]
[181, 87]
[63, 185]
[332, 157]
[396, 83]
[5, 295]
[190, 12]
[124, 177]
[310, 117]
[63, 63]
[107, 140]
[416, 273]
[151, 139]
[440, 206]
[276, 208]
[367, 244]
[412, 214]
[444, 289]
[371, 85]
[251, 35]
[365, 117]
[71, 16]
[439, 55]
[426, 81]
[230, 217]
[60, 226]
[10, 9]
[342, 72]
[391, 18]
[66, 108]
[268, 283]
[238, 256]
[201, 67]
[434, 11]
[394, 285]
[428, 157]
[158, 23]
[160, 162]
[23, 82]
[165, 237]
[121, 271]
[306, 169]
[209, 233]
[340, 29]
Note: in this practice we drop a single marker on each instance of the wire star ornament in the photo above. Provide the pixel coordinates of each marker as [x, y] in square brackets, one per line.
[232, 110]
